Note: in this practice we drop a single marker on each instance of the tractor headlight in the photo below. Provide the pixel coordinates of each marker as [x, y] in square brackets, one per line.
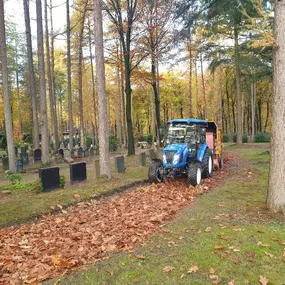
[176, 158]
[164, 159]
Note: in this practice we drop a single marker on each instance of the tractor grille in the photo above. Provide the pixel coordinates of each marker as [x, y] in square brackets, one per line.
[169, 156]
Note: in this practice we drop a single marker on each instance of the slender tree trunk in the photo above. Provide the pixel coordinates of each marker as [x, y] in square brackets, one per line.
[93, 86]
[220, 99]
[252, 111]
[118, 102]
[123, 97]
[276, 190]
[203, 86]
[238, 93]
[32, 82]
[190, 75]
[197, 90]
[80, 87]
[5, 83]
[56, 136]
[18, 95]
[102, 97]
[70, 117]
[50, 89]
[267, 115]
[42, 85]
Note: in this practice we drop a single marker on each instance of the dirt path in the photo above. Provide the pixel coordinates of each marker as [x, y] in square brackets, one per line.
[87, 232]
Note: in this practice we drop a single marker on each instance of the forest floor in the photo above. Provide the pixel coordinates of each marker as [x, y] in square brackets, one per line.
[159, 234]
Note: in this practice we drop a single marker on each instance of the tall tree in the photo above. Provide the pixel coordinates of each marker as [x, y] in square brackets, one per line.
[101, 87]
[70, 116]
[31, 74]
[5, 82]
[42, 86]
[276, 191]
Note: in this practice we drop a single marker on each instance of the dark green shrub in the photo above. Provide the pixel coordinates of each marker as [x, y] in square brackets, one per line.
[244, 138]
[62, 181]
[3, 143]
[113, 143]
[262, 137]
[37, 186]
[14, 178]
[88, 141]
[226, 138]
[149, 138]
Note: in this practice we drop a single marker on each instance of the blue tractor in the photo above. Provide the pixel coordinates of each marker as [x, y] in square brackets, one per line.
[186, 153]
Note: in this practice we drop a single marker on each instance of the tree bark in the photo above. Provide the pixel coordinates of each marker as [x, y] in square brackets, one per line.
[203, 85]
[18, 95]
[56, 136]
[276, 190]
[42, 85]
[80, 88]
[197, 90]
[118, 102]
[50, 87]
[70, 117]
[238, 93]
[190, 74]
[252, 89]
[5, 83]
[101, 87]
[32, 82]
[93, 86]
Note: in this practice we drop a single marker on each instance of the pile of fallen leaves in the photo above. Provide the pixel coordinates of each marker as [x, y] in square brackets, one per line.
[85, 233]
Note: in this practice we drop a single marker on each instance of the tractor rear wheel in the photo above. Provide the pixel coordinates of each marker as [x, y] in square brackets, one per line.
[154, 172]
[207, 164]
[194, 174]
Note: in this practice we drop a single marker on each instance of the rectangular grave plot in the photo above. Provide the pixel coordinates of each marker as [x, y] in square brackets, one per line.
[37, 154]
[78, 172]
[49, 178]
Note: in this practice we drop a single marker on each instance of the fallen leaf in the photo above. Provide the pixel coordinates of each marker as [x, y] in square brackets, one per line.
[76, 196]
[168, 268]
[193, 269]
[239, 230]
[212, 270]
[236, 260]
[262, 280]
[219, 247]
[263, 245]
[233, 282]
[135, 280]
[208, 229]
[140, 256]
[246, 281]
[111, 272]
[269, 254]
[214, 277]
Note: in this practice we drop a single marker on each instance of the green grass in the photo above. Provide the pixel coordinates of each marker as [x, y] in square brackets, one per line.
[240, 205]
[24, 205]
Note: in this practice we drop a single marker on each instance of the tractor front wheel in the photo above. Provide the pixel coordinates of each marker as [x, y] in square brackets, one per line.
[194, 174]
[155, 172]
[207, 164]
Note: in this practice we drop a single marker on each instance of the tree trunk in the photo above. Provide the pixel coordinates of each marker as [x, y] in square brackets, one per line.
[267, 115]
[190, 75]
[203, 85]
[70, 117]
[50, 89]
[252, 111]
[56, 136]
[123, 97]
[197, 90]
[105, 167]
[5, 83]
[276, 190]
[118, 102]
[238, 93]
[32, 82]
[93, 86]
[18, 95]
[42, 86]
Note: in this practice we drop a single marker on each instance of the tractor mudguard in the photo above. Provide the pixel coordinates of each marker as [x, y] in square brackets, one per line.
[201, 152]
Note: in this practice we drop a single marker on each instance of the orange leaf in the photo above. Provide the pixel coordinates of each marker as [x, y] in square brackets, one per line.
[219, 247]
[233, 282]
[168, 268]
[212, 270]
[193, 269]
[263, 280]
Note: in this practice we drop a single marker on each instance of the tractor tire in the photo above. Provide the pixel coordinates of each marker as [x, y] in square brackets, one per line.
[194, 174]
[208, 164]
[154, 174]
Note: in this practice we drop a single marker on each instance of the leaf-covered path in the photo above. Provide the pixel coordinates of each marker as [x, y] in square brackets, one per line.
[85, 233]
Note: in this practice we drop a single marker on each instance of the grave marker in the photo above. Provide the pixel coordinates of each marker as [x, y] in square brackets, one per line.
[37, 155]
[77, 171]
[97, 168]
[142, 159]
[49, 178]
[120, 164]
[5, 163]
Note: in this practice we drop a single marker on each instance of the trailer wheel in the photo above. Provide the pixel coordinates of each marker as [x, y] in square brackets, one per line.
[154, 172]
[194, 174]
[207, 164]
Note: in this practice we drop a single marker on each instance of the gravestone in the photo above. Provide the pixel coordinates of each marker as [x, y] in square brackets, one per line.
[19, 165]
[5, 163]
[120, 164]
[97, 168]
[77, 171]
[80, 152]
[25, 158]
[37, 155]
[61, 152]
[49, 178]
[142, 158]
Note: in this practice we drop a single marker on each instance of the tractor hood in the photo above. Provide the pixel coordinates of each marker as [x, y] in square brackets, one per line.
[179, 148]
